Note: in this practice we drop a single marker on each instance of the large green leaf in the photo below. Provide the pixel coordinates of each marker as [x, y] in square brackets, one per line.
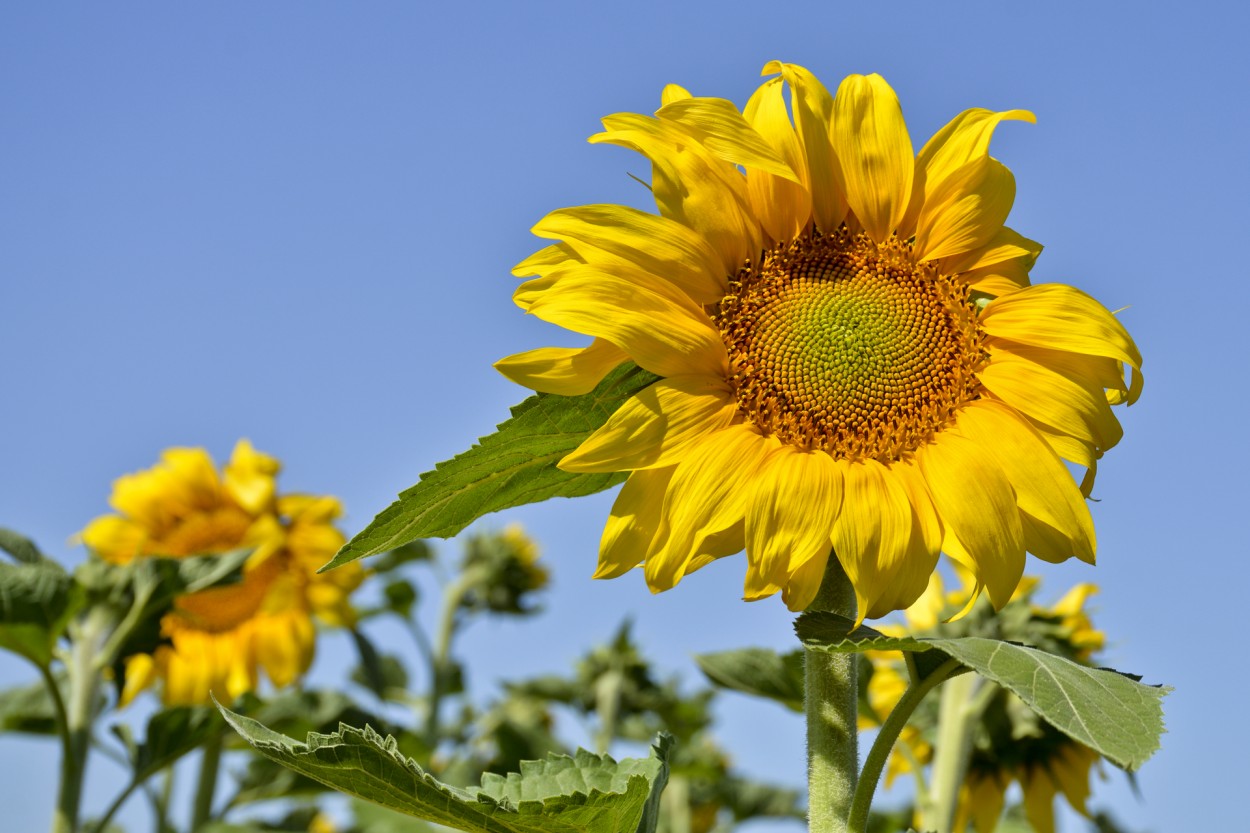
[1106, 710]
[514, 466]
[20, 547]
[583, 794]
[36, 603]
[760, 672]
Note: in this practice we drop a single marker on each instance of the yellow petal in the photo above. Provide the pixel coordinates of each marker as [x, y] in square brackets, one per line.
[800, 591]
[568, 371]
[964, 138]
[874, 153]
[1039, 800]
[790, 520]
[1066, 404]
[115, 539]
[653, 428]
[1061, 317]
[709, 493]
[813, 113]
[986, 797]
[1005, 245]
[691, 185]
[633, 522]
[978, 508]
[657, 245]
[718, 125]
[1041, 482]
[965, 212]
[664, 335]
[782, 206]
[873, 539]
[140, 674]
[1096, 372]
[673, 92]
[249, 477]
[546, 260]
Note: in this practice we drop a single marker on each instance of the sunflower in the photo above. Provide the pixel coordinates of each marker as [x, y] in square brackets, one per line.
[218, 639]
[851, 357]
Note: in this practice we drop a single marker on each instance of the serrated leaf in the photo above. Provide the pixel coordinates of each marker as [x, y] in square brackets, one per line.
[20, 547]
[514, 466]
[760, 672]
[584, 794]
[1110, 712]
[36, 604]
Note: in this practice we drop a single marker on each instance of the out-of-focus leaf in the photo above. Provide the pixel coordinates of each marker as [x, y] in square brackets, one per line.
[37, 601]
[20, 547]
[760, 672]
[28, 709]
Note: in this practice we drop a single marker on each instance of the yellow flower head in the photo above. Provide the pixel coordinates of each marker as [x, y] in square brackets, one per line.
[219, 639]
[852, 357]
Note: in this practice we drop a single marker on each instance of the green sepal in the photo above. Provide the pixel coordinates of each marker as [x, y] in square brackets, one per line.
[514, 466]
[1108, 711]
[584, 794]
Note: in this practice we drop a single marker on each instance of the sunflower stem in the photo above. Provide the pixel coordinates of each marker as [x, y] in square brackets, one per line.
[84, 673]
[951, 751]
[831, 705]
[202, 812]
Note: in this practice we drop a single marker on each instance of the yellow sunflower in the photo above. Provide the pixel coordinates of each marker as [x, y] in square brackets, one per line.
[852, 357]
[219, 639]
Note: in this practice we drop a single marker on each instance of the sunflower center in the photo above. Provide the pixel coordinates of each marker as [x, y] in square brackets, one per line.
[840, 344]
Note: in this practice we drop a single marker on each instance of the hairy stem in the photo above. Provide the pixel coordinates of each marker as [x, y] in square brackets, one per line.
[831, 705]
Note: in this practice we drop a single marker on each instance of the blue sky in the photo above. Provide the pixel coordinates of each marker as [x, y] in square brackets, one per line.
[295, 223]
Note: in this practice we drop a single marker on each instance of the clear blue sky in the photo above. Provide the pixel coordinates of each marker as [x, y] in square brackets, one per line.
[295, 222]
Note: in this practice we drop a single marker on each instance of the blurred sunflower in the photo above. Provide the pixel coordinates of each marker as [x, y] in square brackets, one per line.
[851, 354]
[218, 639]
[1010, 742]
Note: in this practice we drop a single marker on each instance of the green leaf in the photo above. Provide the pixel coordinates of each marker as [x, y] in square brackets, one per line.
[1110, 712]
[171, 734]
[20, 547]
[760, 672]
[36, 603]
[28, 709]
[584, 794]
[514, 466]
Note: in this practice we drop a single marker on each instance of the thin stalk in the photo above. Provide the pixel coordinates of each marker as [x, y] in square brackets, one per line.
[953, 747]
[831, 705]
[86, 639]
[440, 661]
[103, 823]
[879, 754]
[62, 718]
[210, 763]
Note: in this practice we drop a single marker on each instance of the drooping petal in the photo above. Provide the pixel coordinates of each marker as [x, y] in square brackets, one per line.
[790, 520]
[1039, 800]
[978, 508]
[813, 113]
[633, 522]
[1062, 317]
[662, 334]
[872, 538]
[782, 206]
[874, 153]
[1098, 372]
[657, 245]
[709, 493]
[654, 427]
[1043, 487]
[1064, 403]
[800, 591]
[567, 371]
[691, 185]
[966, 210]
